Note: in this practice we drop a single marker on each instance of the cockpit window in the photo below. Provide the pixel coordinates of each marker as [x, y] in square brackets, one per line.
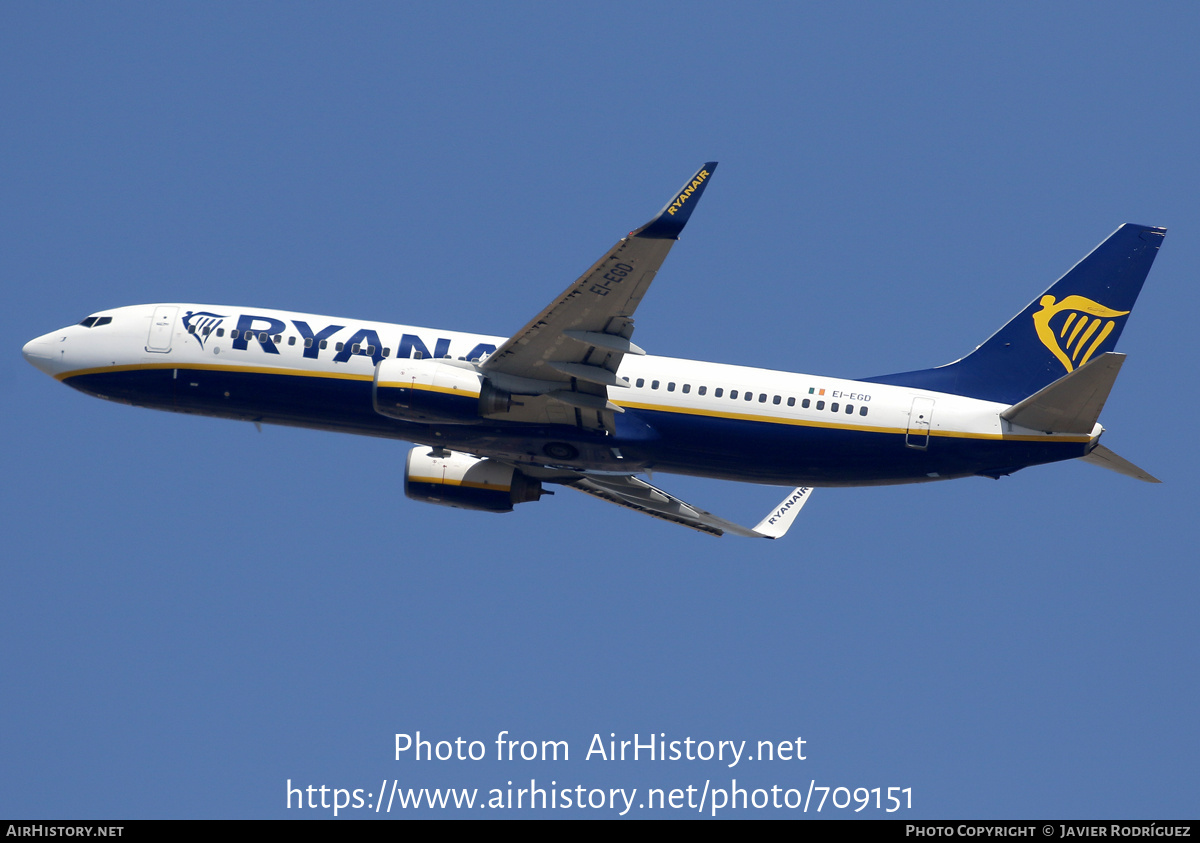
[96, 321]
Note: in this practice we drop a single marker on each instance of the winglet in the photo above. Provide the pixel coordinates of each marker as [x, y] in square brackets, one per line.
[674, 215]
[775, 525]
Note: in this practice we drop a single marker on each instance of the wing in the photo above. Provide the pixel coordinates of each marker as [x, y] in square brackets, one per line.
[561, 365]
[637, 494]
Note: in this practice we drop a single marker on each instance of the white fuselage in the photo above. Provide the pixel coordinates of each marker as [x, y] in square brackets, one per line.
[704, 418]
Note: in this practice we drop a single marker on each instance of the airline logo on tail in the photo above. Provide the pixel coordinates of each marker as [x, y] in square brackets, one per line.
[1084, 327]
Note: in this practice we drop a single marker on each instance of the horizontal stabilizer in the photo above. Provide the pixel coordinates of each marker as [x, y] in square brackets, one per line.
[1071, 404]
[1105, 458]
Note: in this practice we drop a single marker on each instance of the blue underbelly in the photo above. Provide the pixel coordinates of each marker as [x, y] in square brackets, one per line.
[701, 445]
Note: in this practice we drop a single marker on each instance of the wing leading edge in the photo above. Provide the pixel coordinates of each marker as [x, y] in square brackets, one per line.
[560, 367]
[563, 363]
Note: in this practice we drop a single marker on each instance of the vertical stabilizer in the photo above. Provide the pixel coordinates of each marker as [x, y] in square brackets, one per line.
[1078, 319]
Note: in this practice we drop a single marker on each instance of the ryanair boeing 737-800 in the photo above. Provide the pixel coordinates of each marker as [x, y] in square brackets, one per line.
[569, 399]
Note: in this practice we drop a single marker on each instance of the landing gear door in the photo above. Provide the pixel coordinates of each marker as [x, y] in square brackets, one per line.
[161, 328]
[920, 419]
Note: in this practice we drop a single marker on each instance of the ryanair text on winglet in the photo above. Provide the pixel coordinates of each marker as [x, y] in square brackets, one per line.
[687, 192]
[788, 504]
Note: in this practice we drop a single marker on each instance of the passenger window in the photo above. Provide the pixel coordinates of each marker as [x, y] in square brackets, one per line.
[671, 386]
[702, 390]
[291, 340]
[762, 398]
[687, 387]
[324, 343]
[820, 405]
[749, 396]
[654, 384]
[806, 403]
[220, 332]
[191, 329]
[278, 337]
[308, 342]
[862, 411]
[791, 401]
[354, 349]
[732, 394]
[233, 334]
[206, 331]
[388, 351]
[776, 400]
[416, 355]
[641, 382]
[340, 346]
[262, 336]
[718, 392]
[833, 408]
[371, 350]
[849, 409]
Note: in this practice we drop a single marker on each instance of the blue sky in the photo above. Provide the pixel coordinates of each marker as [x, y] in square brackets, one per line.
[197, 612]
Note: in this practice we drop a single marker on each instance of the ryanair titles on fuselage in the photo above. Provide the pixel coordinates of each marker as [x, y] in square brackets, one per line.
[363, 342]
[687, 192]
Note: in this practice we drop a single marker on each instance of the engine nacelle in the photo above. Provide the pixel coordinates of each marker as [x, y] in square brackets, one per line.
[428, 390]
[466, 482]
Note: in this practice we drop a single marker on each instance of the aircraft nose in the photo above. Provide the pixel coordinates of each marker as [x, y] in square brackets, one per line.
[45, 351]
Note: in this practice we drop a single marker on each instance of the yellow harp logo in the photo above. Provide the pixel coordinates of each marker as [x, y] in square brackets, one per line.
[1075, 338]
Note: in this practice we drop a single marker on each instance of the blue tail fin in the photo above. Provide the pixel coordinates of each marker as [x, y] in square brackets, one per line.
[1079, 318]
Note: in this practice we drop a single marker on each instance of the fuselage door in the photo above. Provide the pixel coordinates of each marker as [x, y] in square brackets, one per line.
[920, 419]
[161, 327]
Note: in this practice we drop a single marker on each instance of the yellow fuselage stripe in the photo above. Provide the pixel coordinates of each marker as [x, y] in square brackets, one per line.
[308, 373]
[217, 367]
[954, 434]
[441, 481]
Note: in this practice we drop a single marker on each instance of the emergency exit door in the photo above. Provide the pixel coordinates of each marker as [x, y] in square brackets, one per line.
[920, 420]
[161, 328]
